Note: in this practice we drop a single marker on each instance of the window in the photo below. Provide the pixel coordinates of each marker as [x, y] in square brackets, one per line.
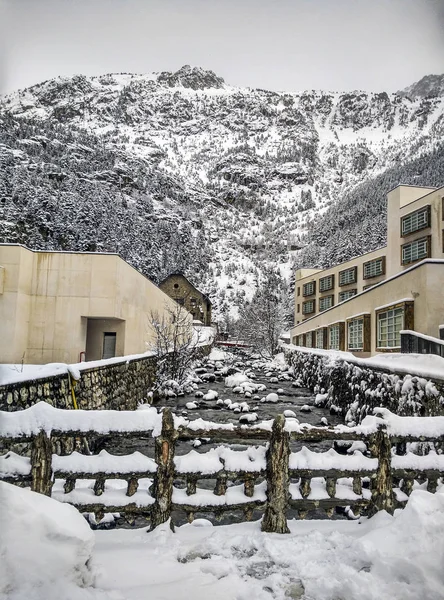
[346, 295]
[308, 307]
[300, 340]
[326, 302]
[320, 338]
[416, 250]
[347, 276]
[415, 221]
[390, 324]
[309, 289]
[356, 334]
[327, 283]
[299, 308]
[333, 337]
[308, 340]
[374, 268]
[299, 291]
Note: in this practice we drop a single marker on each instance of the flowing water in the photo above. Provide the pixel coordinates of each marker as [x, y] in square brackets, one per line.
[276, 378]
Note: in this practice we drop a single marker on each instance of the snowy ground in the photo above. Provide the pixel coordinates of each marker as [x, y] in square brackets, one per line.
[45, 545]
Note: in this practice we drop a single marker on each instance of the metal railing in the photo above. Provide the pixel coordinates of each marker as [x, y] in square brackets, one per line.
[416, 343]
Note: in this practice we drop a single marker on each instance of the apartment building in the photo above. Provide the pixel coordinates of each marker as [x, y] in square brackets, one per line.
[362, 305]
[73, 306]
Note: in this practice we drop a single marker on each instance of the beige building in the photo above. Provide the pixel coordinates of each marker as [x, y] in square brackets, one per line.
[72, 306]
[184, 293]
[362, 305]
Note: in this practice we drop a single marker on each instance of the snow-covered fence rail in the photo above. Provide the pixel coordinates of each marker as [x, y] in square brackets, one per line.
[268, 477]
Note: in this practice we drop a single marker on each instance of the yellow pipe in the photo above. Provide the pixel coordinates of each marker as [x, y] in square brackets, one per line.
[72, 383]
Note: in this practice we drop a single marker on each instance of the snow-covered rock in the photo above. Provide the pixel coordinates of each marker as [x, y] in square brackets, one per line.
[192, 405]
[289, 413]
[272, 397]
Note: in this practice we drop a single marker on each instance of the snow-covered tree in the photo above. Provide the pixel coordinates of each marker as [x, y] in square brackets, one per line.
[266, 317]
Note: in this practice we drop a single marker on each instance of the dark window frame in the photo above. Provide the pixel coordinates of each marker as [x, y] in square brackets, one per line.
[331, 287]
[409, 322]
[347, 292]
[366, 333]
[341, 327]
[428, 238]
[355, 269]
[309, 283]
[323, 298]
[369, 262]
[313, 302]
[427, 208]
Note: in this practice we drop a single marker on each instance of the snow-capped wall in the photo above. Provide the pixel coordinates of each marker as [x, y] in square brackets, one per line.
[118, 383]
[355, 390]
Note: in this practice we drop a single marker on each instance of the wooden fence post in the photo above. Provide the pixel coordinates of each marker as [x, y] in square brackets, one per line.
[382, 484]
[163, 480]
[278, 453]
[41, 464]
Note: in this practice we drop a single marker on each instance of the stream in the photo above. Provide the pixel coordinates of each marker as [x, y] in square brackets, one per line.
[211, 376]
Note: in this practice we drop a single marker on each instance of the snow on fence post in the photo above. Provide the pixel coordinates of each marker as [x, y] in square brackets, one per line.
[163, 480]
[278, 453]
[382, 486]
[41, 464]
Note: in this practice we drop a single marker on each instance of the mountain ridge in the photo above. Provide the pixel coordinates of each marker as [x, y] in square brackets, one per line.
[214, 180]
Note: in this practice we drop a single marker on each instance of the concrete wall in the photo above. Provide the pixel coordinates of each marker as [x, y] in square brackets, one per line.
[49, 298]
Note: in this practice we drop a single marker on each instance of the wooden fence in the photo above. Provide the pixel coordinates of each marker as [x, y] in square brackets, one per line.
[269, 477]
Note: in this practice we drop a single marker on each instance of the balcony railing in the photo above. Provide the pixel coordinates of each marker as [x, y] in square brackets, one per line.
[413, 342]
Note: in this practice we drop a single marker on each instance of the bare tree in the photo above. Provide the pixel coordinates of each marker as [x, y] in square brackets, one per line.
[175, 341]
[266, 317]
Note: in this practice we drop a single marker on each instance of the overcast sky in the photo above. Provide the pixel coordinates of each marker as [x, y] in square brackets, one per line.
[276, 44]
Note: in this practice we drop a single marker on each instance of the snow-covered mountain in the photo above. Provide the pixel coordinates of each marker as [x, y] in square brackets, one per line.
[182, 171]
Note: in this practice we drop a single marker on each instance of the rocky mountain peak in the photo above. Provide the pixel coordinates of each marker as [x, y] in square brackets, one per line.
[194, 78]
[428, 86]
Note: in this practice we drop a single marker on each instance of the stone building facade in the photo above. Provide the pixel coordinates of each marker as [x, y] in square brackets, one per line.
[184, 293]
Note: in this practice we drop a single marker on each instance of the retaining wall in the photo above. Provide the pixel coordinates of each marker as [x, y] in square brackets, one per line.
[120, 386]
[354, 389]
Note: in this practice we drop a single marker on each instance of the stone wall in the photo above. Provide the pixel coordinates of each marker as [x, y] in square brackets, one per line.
[180, 289]
[120, 386]
[354, 389]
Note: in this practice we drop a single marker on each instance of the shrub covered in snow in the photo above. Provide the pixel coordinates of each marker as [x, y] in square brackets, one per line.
[354, 390]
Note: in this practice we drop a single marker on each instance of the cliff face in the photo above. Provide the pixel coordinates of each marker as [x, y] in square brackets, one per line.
[182, 171]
